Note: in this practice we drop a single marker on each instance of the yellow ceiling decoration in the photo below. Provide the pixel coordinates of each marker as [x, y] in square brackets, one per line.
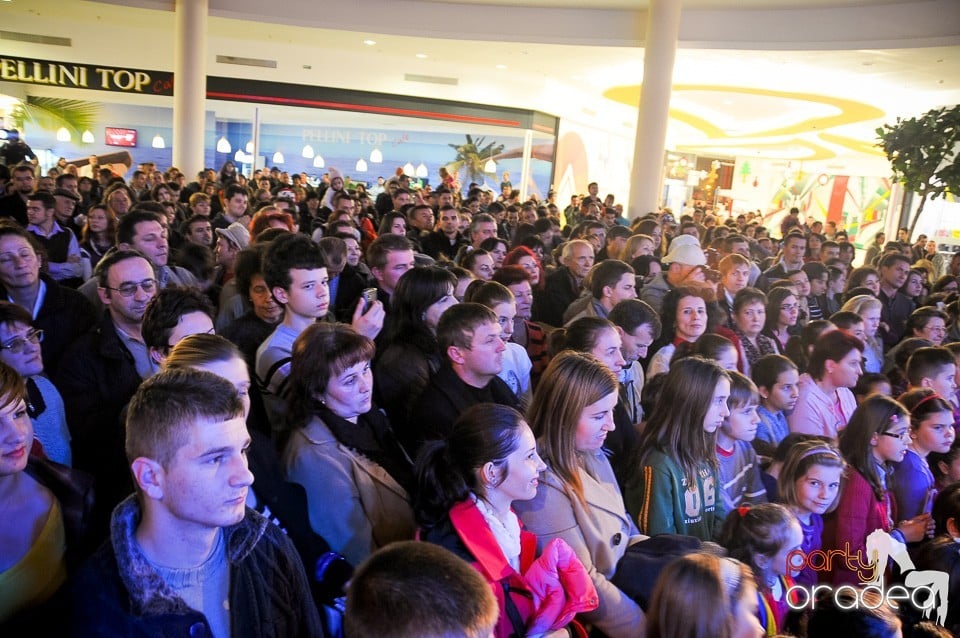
[846, 112]
[817, 152]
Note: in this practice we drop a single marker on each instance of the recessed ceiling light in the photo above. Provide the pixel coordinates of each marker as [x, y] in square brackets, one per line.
[501, 66]
[369, 43]
[422, 56]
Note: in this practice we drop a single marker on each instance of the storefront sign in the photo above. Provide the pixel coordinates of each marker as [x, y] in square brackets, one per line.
[86, 76]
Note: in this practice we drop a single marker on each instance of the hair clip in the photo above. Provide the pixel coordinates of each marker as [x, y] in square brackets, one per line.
[742, 511]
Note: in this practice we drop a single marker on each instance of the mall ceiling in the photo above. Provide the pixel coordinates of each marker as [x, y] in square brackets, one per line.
[791, 79]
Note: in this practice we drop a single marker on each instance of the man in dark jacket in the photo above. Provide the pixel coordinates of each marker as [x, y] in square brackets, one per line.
[564, 284]
[186, 557]
[469, 338]
[101, 371]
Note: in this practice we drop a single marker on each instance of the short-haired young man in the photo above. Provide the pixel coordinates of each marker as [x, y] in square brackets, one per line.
[197, 230]
[419, 590]
[792, 253]
[295, 271]
[934, 368]
[185, 555]
[389, 256]
[472, 351]
[446, 240]
[171, 315]
[22, 183]
[611, 282]
[236, 208]
[894, 269]
[639, 326]
[61, 246]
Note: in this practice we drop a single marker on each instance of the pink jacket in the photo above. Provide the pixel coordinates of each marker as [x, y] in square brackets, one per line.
[557, 581]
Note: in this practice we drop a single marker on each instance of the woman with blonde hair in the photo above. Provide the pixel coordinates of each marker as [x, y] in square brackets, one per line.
[869, 309]
[577, 498]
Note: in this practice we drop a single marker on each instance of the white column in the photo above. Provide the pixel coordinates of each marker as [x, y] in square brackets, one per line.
[660, 49]
[525, 165]
[189, 85]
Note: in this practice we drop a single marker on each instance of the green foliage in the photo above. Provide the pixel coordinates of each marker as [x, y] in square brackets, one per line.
[472, 156]
[50, 114]
[923, 153]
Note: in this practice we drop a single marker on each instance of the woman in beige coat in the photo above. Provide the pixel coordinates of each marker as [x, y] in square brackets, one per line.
[342, 449]
[578, 499]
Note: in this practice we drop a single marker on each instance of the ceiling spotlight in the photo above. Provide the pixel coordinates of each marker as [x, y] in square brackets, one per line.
[369, 43]
[501, 66]
[422, 56]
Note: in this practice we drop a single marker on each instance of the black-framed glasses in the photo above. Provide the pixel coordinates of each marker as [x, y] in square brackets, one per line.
[903, 436]
[129, 288]
[17, 344]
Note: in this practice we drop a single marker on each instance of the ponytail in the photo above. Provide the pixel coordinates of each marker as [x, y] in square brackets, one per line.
[448, 470]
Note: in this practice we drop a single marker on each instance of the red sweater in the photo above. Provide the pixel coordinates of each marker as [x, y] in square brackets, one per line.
[858, 514]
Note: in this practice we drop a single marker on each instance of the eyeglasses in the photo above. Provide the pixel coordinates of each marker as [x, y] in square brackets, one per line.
[17, 344]
[129, 288]
[903, 436]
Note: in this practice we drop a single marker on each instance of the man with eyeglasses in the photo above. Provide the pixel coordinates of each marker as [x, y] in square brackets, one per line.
[62, 313]
[101, 371]
[143, 231]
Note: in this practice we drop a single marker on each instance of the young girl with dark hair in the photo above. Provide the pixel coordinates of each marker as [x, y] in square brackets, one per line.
[931, 430]
[765, 537]
[875, 438]
[467, 484]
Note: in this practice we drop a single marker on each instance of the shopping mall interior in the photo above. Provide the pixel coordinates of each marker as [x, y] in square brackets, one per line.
[772, 100]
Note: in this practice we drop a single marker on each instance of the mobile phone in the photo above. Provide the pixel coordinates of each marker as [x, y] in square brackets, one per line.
[369, 296]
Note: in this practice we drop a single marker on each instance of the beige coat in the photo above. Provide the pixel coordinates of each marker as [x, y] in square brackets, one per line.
[352, 502]
[598, 531]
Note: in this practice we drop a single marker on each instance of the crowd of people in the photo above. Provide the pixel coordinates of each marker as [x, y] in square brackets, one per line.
[259, 407]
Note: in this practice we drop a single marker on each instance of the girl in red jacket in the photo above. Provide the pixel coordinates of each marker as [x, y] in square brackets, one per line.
[467, 484]
[875, 437]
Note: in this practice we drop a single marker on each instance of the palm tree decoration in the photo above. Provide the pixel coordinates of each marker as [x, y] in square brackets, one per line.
[472, 156]
[52, 114]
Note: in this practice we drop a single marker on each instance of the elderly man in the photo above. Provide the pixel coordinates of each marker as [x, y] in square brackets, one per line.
[563, 285]
[685, 262]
